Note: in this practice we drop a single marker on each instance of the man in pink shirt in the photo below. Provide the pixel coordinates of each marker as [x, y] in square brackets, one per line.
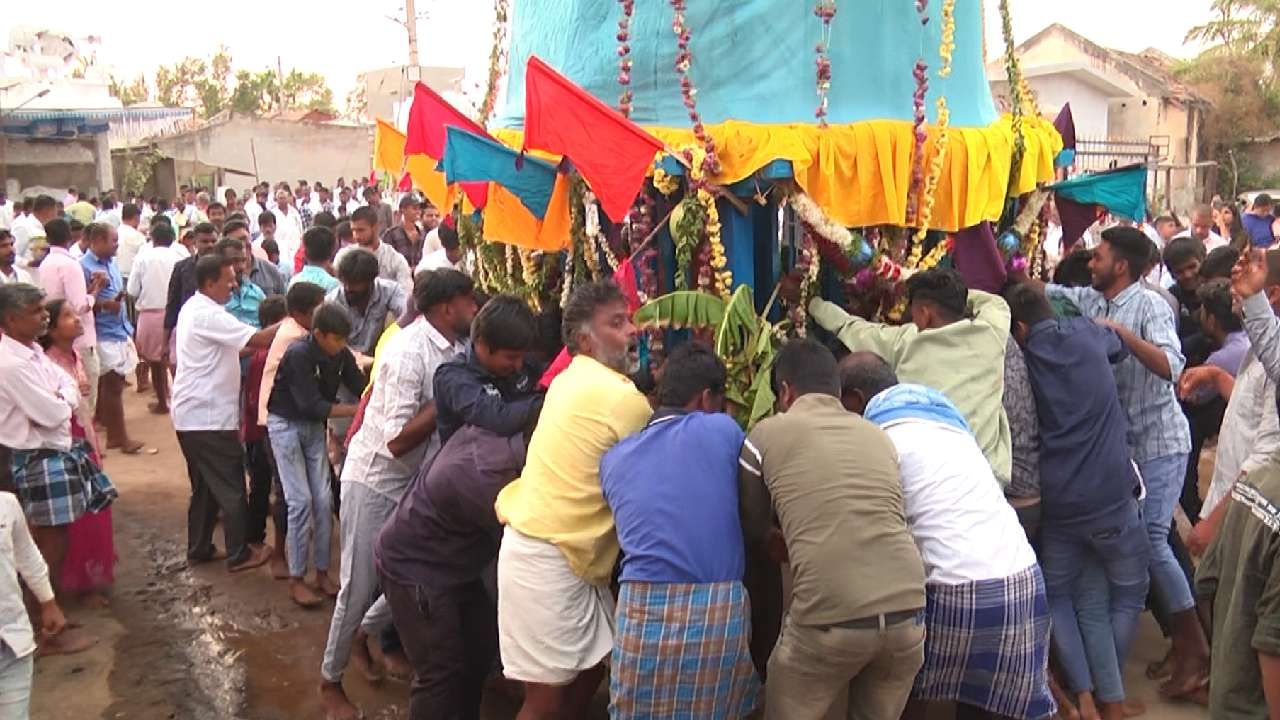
[62, 278]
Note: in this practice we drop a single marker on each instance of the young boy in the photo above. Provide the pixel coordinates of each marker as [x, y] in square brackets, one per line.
[17, 644]
[311, 371]
[257, 452]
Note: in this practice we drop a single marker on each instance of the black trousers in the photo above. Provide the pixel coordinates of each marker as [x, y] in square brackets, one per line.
[451, 639]
[215, 466]
[262, 479]
[1205, 421]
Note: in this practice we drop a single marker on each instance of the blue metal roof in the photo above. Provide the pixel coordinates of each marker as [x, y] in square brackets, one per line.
[72, 123]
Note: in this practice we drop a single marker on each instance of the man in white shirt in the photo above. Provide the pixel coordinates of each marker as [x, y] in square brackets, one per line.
[31, 225]
[289, 230]
[254, 206]
[9, 272]
[1250, 433]
[6, 211]
[450, 255]
[396, 438]
[985, 592]
[148, 286]
[21, 557]
[391, 264]
[1201, 228]
[131, 239]
[206, 415]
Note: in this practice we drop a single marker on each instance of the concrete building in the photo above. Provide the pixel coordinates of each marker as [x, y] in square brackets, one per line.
[239, 150]
[1128, 107]
[58, 119]
[387, 90]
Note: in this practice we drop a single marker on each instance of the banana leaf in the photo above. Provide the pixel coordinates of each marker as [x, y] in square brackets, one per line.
[739, 325]
[682, 309]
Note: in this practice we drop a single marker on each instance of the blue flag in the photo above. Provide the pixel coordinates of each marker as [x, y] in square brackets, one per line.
[1122, 191]
[471, 158]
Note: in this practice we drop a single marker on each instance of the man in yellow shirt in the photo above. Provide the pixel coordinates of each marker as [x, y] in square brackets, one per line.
[555, 611]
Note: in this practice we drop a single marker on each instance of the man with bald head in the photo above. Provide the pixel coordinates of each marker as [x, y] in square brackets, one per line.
[1201, 228]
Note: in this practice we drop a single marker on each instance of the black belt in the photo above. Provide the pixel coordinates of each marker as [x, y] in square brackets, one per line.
[878, 622]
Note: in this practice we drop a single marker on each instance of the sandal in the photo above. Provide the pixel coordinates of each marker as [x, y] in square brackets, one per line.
[139, 449]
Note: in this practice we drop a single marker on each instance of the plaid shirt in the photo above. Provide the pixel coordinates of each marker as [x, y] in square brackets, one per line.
[1157, 427]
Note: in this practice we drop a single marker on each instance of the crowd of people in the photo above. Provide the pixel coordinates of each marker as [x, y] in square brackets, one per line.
[974, 507]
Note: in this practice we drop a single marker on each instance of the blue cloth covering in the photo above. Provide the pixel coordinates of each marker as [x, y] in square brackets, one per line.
[753, 59]
[916, 402]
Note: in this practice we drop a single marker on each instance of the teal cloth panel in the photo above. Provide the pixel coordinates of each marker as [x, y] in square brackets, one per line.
[753, 60]
[1122, 191]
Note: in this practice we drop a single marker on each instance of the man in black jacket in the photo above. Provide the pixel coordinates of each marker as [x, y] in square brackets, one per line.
[436, 553]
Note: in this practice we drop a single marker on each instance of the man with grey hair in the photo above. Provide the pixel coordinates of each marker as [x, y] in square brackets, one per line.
[53, 474]
[555, 610]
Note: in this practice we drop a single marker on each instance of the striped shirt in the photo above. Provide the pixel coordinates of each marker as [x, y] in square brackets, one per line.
[1157, 427]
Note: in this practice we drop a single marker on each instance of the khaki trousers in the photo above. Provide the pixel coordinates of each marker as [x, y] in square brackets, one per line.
[811, 667]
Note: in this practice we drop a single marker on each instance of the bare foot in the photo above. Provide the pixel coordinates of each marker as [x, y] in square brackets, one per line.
[279, 566]
[363, 661]
[68, 642]
[335, 702]
[1162, 668]
[1088, 710]
[1134, 708]
[158, 408]
[325, 584]
[397, 664]
[1066, 708]
[257, 558]
[302, 594]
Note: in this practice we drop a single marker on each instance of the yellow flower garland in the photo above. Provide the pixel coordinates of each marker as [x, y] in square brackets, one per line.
[719, 262]
[665, 182]
[945, 49]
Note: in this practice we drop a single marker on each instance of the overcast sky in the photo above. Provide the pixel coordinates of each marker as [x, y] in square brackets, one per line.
[342, 39]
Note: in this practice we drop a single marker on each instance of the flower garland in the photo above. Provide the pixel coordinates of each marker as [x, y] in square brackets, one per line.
[687, 222]
[624, 57]
[664, 182]
[531, 270]
[497, 59]
[684, 60]
[1014, 74]
[826, 12]
[920, 72]
[591, 234]
[941, 146]
[566, 280]
[809, 264]
[721, 277]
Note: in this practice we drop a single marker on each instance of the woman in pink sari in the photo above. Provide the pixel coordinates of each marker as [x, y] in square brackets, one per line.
[89, 567]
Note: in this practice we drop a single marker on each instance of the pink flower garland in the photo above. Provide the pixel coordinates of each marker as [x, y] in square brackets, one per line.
[921, 74]
[624, 57]
[684, 60]
[826, 11]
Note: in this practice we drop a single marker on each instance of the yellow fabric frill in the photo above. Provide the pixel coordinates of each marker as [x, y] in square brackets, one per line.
[860, 173]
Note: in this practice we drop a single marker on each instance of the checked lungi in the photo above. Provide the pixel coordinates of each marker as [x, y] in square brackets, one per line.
[987, 645]
[57, 487]
[682, 650]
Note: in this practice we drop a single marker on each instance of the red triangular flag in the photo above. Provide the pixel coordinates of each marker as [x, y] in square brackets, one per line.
[429, 117]
[406, 183]
[373, 178]
[611, 152]
[625, 277]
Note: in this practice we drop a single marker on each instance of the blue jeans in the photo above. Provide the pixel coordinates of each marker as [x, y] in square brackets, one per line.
[1163, 477]
[15, 684]
[303, 465]
[1096, 580]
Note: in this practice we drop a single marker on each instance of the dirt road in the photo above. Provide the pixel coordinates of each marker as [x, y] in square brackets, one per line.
[204, 645]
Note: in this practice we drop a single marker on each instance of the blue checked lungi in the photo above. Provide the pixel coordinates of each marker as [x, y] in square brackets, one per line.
[987, 645]
[56, 487]
[682, 650]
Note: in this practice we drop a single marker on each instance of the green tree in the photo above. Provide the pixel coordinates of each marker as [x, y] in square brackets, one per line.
[130, 93]
[211, 86]
[305, 91]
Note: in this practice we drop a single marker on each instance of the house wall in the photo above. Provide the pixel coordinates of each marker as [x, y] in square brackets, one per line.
[1089, 105]
[279, 150]
[50, 163]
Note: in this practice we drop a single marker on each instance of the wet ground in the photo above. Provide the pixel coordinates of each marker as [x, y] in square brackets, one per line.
[200, 644]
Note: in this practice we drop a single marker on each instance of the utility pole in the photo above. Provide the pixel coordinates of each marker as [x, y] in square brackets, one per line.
[411, 25]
